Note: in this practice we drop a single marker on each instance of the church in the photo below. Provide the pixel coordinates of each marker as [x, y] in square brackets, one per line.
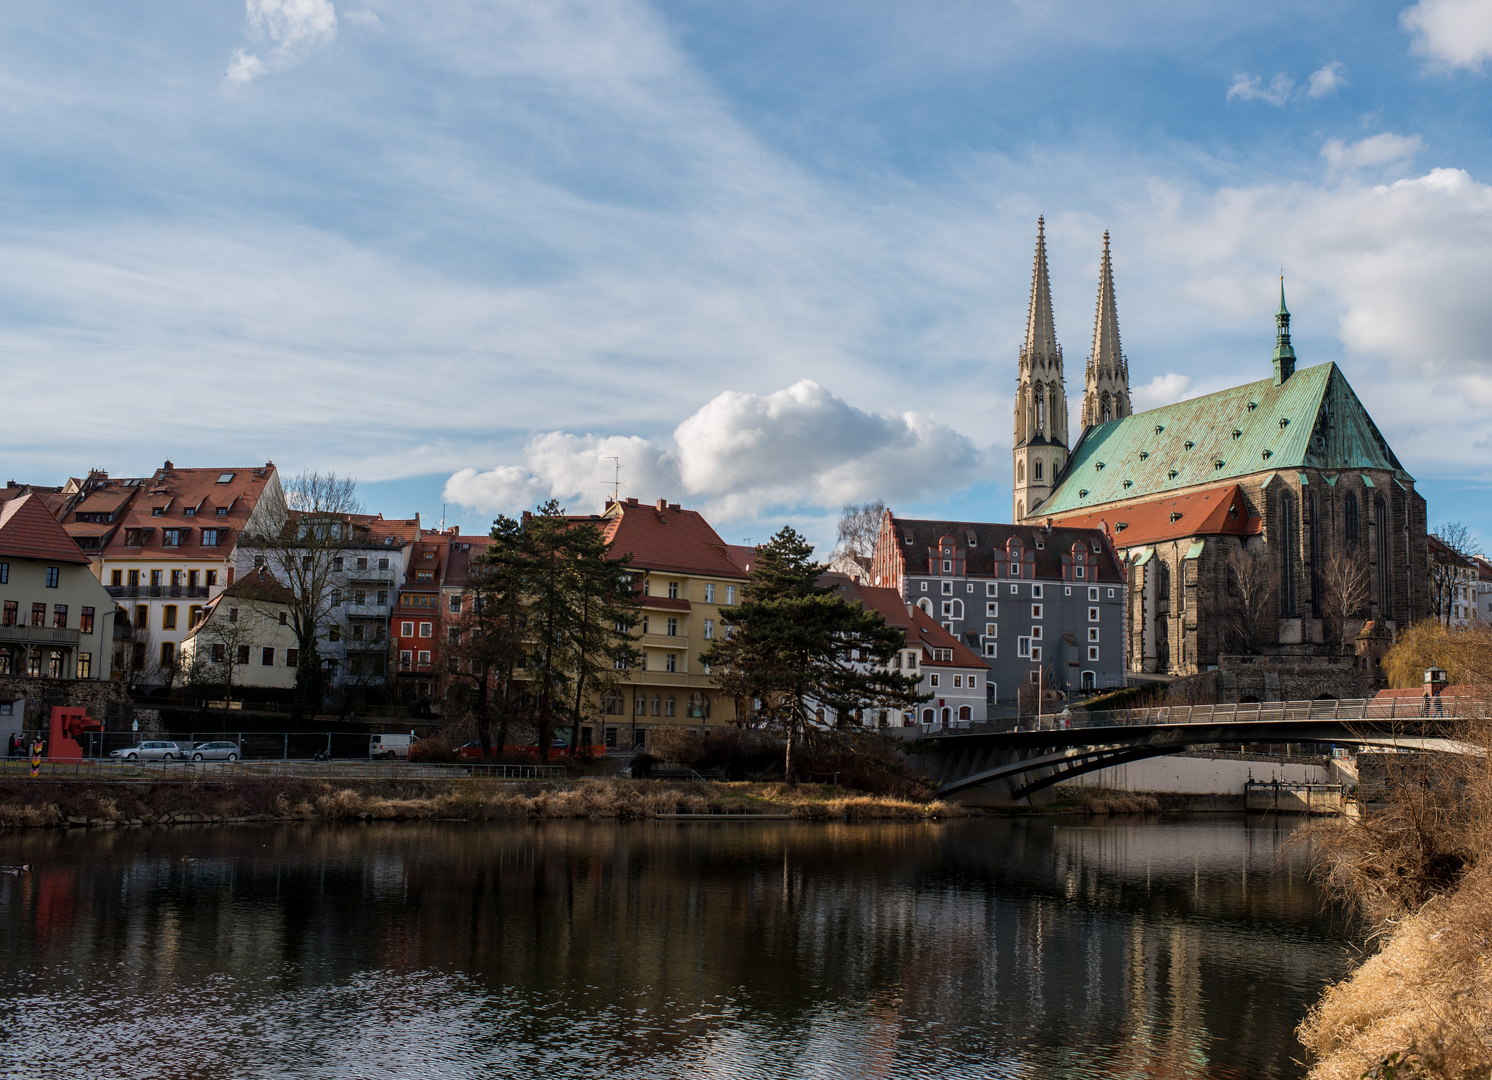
[1249, 520]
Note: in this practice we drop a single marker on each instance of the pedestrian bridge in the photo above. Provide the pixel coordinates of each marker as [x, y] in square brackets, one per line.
[1012, 763]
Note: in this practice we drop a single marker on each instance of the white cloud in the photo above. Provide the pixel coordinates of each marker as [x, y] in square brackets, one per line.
[1161, 390]
[1252, 88]
[1450, 33]
[363, 19]
[1326, 79]
[293, 27]
[1376, 150]
[739, 454]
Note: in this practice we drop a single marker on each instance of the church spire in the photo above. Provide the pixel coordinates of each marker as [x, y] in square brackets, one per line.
[1284, 354]
[1040, 445]
[1106, 389]
[1041, 334]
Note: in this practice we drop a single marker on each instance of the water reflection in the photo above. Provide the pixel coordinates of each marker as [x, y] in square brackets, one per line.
[984, 948]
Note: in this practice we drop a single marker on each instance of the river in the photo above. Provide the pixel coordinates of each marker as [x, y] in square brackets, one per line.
[1033, 947]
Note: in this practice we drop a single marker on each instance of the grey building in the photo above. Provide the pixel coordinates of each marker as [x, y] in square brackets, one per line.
[1028, 599]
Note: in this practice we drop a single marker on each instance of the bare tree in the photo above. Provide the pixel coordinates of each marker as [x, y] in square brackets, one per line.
[304, 546]
[1345, 592]
[1451, 548]
[1253, 581]
[855, 538]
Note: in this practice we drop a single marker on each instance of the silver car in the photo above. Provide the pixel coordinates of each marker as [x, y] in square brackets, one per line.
[151, 750]
[215, 751]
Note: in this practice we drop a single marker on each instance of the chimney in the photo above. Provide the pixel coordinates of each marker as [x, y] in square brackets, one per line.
[662, 505]
[169, 466]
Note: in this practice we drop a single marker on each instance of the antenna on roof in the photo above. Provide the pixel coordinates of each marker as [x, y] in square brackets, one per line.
[442, 517]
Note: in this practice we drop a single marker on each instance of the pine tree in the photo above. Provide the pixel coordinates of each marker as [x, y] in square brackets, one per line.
[794, 647]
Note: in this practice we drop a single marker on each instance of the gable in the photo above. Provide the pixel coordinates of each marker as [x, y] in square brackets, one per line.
[1313, 420]
[29, 531]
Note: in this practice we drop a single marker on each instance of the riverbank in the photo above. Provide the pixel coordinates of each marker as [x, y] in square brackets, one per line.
[52, 804]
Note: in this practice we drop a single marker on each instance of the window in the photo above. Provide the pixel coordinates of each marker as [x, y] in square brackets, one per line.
[1092, 633]
[171, 537]
[992, 629]
[970, 587]
[1035, 592]
[212, 578]
[142, 617]
[1015, 569]
[1035, 652]
[1067, 591]
[1093, 593]
[932, 679]
[406, 659]
[1023, 647]
[85, 620]
[337, 598]
[267, 656]
[1081, 572]
[427, 629]
[730, 594]
[958, 681]
[1092, 652]
[233, 614]
[59, 616]
[424, 656]
[284, 618]
[383, 597]
[85, 665]
[924, 586]
[992, 588]
[157, 511]
[668, 705]
[52, 574]
[1093, 614]
[670, 662]
[673, 590]
[709, 629]
[1111, 594]
[991, 648]
[424, 575]
[992, 610]
[38, 614]
[12, 613]
[453, 635]
[1035, 633]
[947, 566]
[947, 588]
[334, 633]
[1036, 611]
[221, 511]
[947, 608]
[709, 592]
[1349, 516]
[673, 627]
[5, 573]
[168, 617]
[337, 562]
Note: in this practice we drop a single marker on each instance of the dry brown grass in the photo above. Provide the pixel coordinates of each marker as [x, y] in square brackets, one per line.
[1101, 803]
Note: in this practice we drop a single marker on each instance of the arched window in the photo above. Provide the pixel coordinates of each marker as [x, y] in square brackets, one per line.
[927, 717]
[1106, 410]
[1162, 587]
[1349, 520]
[965, 713]
[1385, 556]
[1020, 472]
[1289, 541]
[1315, 526]
[1036, 470]
[1040, 407]
[657, 705]
[1020, 509]
[1162, 615]
[668, 705]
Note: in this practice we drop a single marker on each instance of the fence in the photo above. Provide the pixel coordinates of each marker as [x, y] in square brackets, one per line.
[119, 770]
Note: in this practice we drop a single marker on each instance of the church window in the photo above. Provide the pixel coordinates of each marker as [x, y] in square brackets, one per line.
[1349, 515]
[1040, 408]
[1036, 470]
[1020, 508]
[1385, 561]
[1315, 526]
[1020, 473]
[1289, 537]
[1106, 410]
[1162, 589]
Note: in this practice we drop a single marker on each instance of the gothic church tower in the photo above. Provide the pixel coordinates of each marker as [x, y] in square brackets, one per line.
[1041, 396]
[1106, 393]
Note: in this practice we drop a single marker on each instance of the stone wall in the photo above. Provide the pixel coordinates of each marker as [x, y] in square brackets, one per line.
[1289, 678]
[104, 699]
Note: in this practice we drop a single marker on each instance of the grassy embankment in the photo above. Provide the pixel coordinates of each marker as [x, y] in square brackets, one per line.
[1420, 874]
[43, 803]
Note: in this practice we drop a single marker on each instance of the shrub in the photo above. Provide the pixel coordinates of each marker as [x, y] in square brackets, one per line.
[432, 749]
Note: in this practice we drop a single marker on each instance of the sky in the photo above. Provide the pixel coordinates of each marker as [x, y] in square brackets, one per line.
[770, 257]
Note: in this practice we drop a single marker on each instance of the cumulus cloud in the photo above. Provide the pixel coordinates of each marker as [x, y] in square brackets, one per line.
[1252, 88]
[1374, 151]
[291, 26]
[1326, 79]
[1161, 390]
[1450, 33]
[738, 454]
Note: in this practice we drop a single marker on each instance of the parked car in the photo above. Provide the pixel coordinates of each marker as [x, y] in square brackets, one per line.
[215, 751]
[390, 746]
[151, 750]
[471, 751]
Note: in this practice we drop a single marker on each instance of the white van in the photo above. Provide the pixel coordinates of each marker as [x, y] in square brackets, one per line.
[389, 747]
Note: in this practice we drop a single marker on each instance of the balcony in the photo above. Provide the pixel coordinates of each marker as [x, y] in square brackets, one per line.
[40, 635]
[158, 592]
[677, 642]
[365, 611]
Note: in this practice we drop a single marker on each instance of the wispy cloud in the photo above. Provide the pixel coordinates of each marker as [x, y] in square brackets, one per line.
[1450, 33]
[292, 27]
[1282, 89]
[1327, 79]
[1373, 152]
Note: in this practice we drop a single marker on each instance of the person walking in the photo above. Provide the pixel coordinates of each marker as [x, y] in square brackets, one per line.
[14, 747]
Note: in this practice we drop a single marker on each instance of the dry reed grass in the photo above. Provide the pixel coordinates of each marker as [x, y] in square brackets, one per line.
[1102, 803]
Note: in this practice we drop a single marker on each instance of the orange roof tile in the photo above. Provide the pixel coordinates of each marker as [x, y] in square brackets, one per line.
[29, 531]
[1219, 511]
[665, 537]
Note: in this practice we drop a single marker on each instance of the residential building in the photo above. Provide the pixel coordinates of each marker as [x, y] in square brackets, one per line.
[1034, 603]
[415, 627]
[56, 620]
[1454, 584]
[952, 675]
[1293, 461]
[165, 544]
[1482, 605]
[243, 636]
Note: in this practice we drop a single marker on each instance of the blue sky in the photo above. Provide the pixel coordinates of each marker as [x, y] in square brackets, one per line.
[773, 256]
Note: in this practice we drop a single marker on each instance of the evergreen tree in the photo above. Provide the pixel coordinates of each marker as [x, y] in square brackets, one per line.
[794, 647]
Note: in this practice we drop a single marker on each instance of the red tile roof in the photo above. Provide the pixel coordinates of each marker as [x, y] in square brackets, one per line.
[29, 531]
[1219, 511]
[667, 538]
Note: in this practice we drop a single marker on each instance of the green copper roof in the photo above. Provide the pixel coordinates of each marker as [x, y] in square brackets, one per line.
[1312, 420]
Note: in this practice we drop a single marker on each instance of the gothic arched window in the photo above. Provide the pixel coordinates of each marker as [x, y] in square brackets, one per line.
[1349, 520]
[1040, 408]
[1106, 410]
[1385, 558]
[1315, 548]
[1020, 472]
[1289, 538]
[1036, 470]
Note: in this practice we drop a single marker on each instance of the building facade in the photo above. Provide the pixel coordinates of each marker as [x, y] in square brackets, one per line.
[1035, 604]
[244, 637]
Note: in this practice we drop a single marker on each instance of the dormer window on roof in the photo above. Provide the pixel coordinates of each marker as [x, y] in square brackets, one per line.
[1159, 428]
[1190, 444]
[1284, 422]
[1267, 454]
[1175, 515]
[1237, 434]
[157, 511]
[1253, 405]
[1144, 454]
[1172, 474]
[226, 478]
[1219, 463]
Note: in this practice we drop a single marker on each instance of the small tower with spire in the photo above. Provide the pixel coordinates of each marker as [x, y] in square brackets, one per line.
[1106, 385]
[1040, 448]
[1284, 354]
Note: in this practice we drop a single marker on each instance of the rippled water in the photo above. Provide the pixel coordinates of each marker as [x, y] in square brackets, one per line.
[987, 948]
